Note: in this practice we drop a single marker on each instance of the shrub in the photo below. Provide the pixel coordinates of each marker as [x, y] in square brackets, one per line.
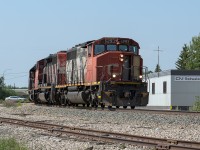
[9, 104]
[5, 92]
[196, 106]
[11, 144]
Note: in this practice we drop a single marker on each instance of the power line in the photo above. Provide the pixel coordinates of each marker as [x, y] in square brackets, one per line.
[17, 77]
[18, 73]
[12, 73]
[158, 50]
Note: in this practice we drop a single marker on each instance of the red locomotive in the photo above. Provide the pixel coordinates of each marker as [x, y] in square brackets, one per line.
[102, 72]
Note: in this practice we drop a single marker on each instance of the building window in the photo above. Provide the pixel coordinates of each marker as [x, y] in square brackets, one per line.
[164, 87]
[153, 88]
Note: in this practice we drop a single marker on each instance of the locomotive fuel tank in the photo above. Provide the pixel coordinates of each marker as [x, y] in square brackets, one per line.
[78, 97]
[42, 97]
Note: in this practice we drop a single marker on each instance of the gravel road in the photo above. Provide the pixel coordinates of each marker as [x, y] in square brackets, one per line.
[139, 123]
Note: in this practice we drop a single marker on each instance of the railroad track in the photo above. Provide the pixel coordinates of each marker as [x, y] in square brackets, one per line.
[172, 112]
[169, 112]
[157, 143]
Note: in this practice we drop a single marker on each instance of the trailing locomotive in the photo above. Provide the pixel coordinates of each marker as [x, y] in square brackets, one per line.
[105, 72]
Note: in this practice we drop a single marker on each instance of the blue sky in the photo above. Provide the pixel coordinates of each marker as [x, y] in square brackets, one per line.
[32, 29]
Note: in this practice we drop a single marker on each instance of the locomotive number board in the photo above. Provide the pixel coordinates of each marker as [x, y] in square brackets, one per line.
[115, 41]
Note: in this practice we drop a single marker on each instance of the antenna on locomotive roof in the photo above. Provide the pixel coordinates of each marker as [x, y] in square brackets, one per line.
[158, 69]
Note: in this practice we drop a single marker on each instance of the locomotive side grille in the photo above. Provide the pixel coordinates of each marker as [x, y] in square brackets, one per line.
[136, 67]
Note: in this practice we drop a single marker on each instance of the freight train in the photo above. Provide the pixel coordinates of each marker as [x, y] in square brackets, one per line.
[104, 72]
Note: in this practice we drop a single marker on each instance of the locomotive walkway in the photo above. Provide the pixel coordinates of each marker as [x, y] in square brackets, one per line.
[157, 143]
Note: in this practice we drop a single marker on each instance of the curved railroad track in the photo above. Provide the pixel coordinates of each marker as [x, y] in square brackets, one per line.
[157, 143]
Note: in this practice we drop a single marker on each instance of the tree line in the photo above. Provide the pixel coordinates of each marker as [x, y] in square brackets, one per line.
[189, 58]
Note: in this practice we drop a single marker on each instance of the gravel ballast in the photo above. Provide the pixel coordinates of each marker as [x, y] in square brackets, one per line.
[181, 127]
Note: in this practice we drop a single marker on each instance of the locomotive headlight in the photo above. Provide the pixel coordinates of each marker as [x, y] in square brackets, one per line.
[121, 59]
[140, 76]
[114, 75]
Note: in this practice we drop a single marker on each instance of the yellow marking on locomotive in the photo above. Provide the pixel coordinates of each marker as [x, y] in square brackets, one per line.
[44, 87]
[86, 84]
[61, 86]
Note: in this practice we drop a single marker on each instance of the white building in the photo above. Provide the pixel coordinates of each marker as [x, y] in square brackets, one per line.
[174, 89]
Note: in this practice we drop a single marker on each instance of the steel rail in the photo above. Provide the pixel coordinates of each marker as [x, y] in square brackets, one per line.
[156, 111]
[107, 136]
[170, 112]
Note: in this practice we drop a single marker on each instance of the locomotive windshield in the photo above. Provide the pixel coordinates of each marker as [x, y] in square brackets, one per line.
[133, 49]
[100, 48]
[123, 47]
[111, 47]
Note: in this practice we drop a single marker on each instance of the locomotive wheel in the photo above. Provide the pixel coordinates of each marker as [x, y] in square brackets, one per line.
[109, 107]
[117, 106]
[63, 101]
[132, 107]
[95, 104]
[102, 106]
[59, 102]
[124, 107]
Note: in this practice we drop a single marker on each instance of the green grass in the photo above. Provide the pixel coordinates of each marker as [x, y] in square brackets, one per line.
[11, 144]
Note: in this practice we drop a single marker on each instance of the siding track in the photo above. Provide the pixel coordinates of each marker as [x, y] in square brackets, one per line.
[157, 143]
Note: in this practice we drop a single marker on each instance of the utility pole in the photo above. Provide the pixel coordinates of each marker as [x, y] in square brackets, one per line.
[158, 50]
